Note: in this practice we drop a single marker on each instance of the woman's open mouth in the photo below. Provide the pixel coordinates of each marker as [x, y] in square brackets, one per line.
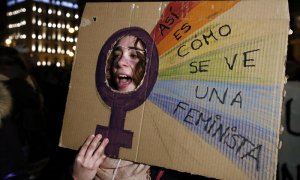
[123, 81]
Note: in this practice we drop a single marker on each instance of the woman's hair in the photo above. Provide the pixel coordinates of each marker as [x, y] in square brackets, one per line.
[140, 67]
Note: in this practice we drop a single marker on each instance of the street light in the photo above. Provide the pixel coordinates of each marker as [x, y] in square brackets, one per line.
[71, 30]
[8, 42]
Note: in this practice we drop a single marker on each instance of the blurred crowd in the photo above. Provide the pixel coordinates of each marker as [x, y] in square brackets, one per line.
[32, 102]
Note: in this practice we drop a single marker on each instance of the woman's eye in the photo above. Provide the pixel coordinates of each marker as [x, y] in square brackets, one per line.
[133, 55]
[117, 53]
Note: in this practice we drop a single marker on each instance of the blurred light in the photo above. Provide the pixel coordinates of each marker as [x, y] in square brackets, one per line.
[71, 30]
[38, 63]
[49, 11]
[62, 63]
[33, 48]
[33, 8]
[290, 32]
[68, 15]
[76, 16]
[23, 36]
[58, 64]
[71, 54]
[39, 10]
[40, 48]
[69, 4]
[8, 41]
[33, 36]
[43, 1]
[19, 24]
[74, 48]
[15, 12]
[58, 12]
[44, 63]
[10, 176]
[76, 28]
[10, 3]
[49, 63]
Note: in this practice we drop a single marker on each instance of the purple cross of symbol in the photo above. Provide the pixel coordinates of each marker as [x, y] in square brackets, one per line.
[115, 132]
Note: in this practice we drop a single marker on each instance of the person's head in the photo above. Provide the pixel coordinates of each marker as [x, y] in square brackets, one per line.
[11, 63]
[126, 64]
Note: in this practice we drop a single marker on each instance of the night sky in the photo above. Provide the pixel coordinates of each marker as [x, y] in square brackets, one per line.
[2, 17]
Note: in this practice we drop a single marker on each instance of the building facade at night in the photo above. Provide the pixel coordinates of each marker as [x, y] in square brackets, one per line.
[47, 29]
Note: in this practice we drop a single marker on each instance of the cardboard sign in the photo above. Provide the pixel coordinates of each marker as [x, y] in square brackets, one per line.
[204, 91]
[288, 158]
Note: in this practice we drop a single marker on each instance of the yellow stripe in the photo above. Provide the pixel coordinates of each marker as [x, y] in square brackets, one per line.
[200, 15]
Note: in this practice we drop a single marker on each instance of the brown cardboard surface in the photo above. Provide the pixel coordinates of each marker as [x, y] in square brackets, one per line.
[165, 127]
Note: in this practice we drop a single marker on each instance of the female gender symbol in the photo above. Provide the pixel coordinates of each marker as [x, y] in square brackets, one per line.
[119, 102]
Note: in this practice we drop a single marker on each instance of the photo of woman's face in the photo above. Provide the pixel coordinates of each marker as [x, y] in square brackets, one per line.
[127, 64]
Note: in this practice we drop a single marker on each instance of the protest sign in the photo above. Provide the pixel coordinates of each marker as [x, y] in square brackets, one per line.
[289, 159]
[209, 100]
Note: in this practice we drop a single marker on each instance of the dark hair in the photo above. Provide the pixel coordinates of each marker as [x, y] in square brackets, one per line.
[11, 63]
[140, 68]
